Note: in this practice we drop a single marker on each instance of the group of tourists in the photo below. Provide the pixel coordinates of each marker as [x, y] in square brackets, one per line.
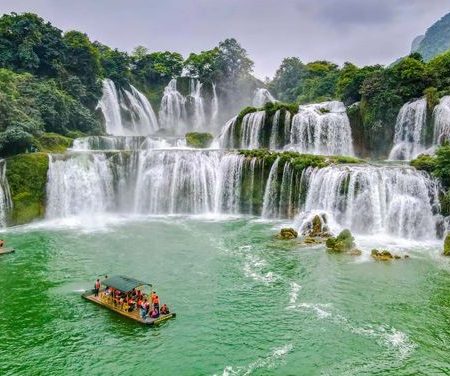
[148, 305]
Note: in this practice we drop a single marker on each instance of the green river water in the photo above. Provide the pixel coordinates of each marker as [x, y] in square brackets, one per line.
[247, 304]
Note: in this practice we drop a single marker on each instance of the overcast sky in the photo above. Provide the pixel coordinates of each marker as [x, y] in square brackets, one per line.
[361, 31]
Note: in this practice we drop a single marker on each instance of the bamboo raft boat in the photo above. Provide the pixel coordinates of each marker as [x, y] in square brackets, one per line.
[5, 251]
[124, 285]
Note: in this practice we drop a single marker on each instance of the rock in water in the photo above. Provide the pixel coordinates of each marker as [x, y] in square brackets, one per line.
[447, 245]
[317, 227]
[287, 234]
[382, 255]
[344, 242]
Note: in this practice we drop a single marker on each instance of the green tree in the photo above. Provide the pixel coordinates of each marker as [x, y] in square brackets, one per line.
[204, 65]
[233, 61]
[288, 78]
[82, 60]
[28, 44]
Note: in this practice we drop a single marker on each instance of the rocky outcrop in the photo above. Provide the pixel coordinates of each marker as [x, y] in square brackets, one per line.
[343, 243]
[287, 234]
[447, 245]
[317, 227]
[385, 255]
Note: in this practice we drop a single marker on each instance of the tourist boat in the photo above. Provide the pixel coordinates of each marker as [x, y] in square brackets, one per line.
[125, 285]
[5, 251]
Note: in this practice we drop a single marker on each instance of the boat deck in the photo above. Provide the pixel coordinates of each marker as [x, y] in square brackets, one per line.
[134, 315]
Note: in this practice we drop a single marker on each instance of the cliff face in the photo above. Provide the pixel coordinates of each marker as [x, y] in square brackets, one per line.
[435, 41]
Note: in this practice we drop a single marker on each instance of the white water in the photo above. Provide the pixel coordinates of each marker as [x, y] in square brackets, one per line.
[251, 129]
[214, 107]
[441, 121]
[5, 195]
[126, 143]
[367, 199]
[321, 128]
[261, 97]
[409, 131]
[126, 113]
[199, 116]
[172, 113]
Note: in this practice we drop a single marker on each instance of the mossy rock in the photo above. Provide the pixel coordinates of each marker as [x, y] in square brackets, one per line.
[199, 140]
[52, 143]
[27, 178]
[287, 234]
[381, 255]
[447, 245]
[344, 242]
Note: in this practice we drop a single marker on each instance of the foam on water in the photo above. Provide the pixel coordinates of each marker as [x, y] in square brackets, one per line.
[268, 362]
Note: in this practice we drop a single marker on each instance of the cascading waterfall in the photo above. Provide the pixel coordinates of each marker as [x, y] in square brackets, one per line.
[214, 106]
[5, 195]
[321, 128]
[251, 129]
[82, 184]
[172, 113]
[275, 125]
[441, 121]
[409, 130]
[126, 112]
[261, 97]
[126, 143]
[367, 199]
[198, 117]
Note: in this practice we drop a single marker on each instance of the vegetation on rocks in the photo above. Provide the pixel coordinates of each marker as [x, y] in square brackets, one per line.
[199, 140]
[344, 242]
[287, 234]
[27, 177]
[447, 245]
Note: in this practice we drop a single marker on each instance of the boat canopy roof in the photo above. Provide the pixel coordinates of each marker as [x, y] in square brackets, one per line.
[122, 283]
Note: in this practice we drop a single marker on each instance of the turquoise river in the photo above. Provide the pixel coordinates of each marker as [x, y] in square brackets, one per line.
[246, 304]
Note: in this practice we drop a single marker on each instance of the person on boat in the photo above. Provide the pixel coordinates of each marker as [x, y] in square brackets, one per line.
[154, 314]
[155, 302]
[164, 310]
[97, 287]
[2, 243]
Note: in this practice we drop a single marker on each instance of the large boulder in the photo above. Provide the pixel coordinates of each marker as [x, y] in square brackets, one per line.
[344, 242]
[287, 234]
[385, 255]
[316, 227]
[447, 245]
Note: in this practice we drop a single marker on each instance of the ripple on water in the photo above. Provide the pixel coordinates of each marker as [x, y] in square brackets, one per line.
[268, 362]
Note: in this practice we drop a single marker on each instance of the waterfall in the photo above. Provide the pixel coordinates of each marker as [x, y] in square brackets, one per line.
[126, 143]
[214, 106]
[80, 184]
[367, 199]
[172, 113]
[409, 131]
[109, 105]
[226, 137]
[275, 126]
[261, 97]
[441, 121]
[126, 112]
[5, 195]
[251, 129]
[271, 194]
[228, 195]
[198, 117]
[321, 128]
